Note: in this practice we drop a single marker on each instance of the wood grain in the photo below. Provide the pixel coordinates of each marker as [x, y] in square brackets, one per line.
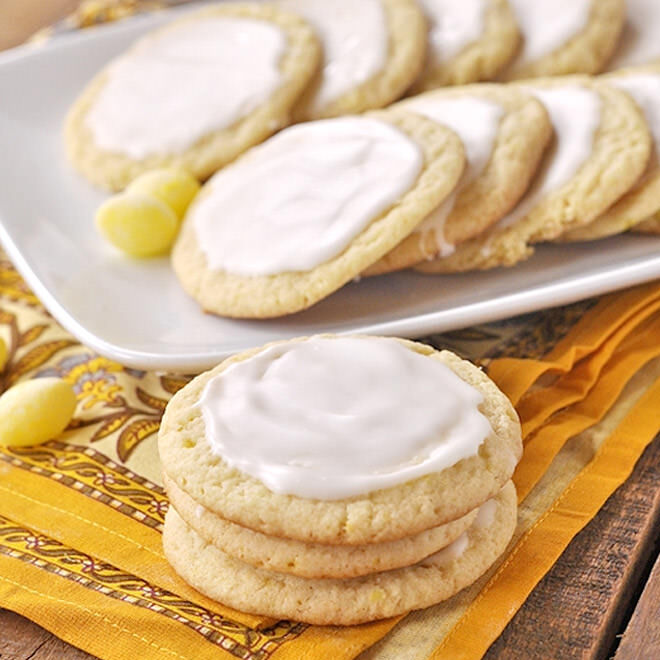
[20, 639]
[580, 606]
[642, 636]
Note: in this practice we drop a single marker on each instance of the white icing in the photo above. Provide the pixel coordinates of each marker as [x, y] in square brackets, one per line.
[476, 122]
[645, 90]
[486, 514]
[548, 24]
[333, 418]
[640, 43]
[453, 25]
[451, 552]
[575, 113]
[354, 36]
[175, 87]
[300, 198]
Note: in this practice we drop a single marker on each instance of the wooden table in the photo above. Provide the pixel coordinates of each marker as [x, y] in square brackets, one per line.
[600, 600]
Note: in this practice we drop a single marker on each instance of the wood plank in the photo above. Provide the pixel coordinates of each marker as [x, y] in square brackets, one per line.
[579, 608]
[21, 639]
[642, 636]
[56, 649]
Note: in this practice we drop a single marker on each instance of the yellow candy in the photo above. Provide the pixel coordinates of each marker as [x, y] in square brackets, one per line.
[171, 185]
[3, 354]
[138, 224]
[35, 411]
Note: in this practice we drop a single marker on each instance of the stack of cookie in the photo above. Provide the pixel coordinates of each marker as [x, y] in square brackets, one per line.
[338, 480]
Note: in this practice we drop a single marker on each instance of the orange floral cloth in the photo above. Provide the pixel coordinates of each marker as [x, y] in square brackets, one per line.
[81, 516]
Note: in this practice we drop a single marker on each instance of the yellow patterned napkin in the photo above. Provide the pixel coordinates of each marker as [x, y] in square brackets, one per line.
[81, 517]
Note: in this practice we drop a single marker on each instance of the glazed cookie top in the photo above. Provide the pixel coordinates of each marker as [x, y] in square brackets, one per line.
[477, 122]
[372, 51]
[193, 94]
[453, 25]
[221, 68]
[639, 42]
[319, 183]
[601, 148]
[504, 132]
[470, 40]
[565, 36]
[334, 196]
[308, 430]
[643, 85]
[290, 416]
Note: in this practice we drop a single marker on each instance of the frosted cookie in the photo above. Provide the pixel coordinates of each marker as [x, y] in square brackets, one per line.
[372, 50]
[193, 94]
[643, 200]
[504, 132]
[648, 226]
[469, 41]
[639, 43]
[311, 560]
[565, 36]
[333, 197]
[329, 455]
[343, 602]
[601, 148]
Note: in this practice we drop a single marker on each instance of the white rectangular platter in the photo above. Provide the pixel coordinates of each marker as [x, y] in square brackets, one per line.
[136, 313]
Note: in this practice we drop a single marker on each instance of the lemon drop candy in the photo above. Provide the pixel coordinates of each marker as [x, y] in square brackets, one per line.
[35, 411]
[138, 224]
[172, 185]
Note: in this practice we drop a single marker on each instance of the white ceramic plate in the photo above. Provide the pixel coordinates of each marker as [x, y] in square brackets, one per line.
[136, 313]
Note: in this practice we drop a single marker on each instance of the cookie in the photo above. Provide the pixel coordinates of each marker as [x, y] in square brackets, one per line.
[194, 94]
[311, 560]
[601, 148]
[343, 602]
[469, 41]
[373, 50]
[504, 132]
[559, 38]
[643, 200]
[639, 44]
[333, 197]
[317, 478]
[649, 226]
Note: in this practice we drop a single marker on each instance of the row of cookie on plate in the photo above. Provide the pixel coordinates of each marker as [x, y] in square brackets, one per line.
[452, 180]
[201, 90]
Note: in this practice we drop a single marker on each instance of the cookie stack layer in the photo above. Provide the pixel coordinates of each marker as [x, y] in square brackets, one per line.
[337, 504]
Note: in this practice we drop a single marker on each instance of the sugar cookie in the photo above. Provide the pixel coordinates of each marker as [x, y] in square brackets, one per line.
[565, 36]
[373, 50]
[601, 148]
[334, 196]
[648, 226]
[194, 94]
[639, 43]
[504, 132]
[291, 487]
[311, 560]
[469, 41]
[643, 200]
[343, 602]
